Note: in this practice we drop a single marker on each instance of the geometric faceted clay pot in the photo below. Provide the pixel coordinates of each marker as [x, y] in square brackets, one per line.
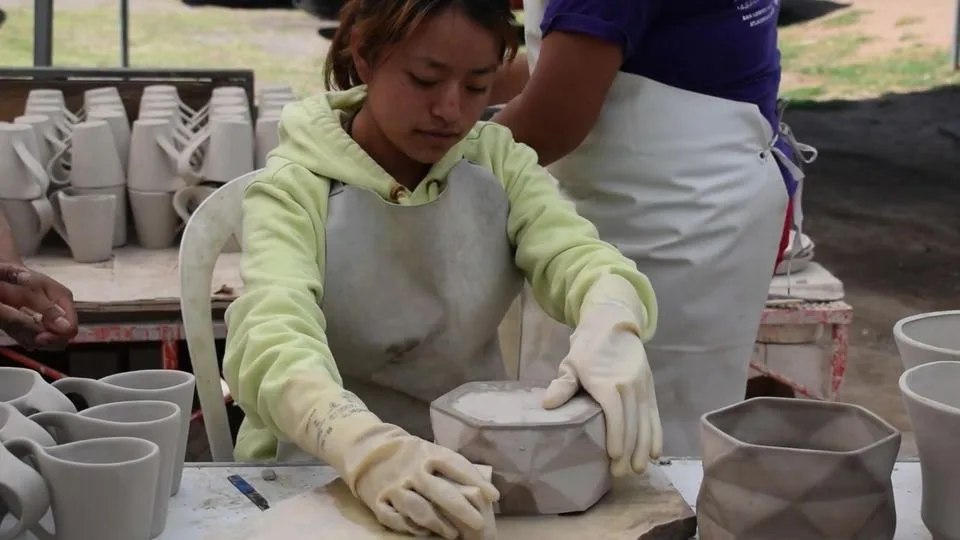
[928, 337]
[799, 469]
[544, 462]
[931, 393]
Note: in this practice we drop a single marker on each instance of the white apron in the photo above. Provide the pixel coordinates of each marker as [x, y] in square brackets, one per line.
[687, 186]
[413, 295]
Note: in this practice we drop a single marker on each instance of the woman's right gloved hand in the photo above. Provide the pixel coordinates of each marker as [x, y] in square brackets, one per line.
[411, 485]
[420, 488]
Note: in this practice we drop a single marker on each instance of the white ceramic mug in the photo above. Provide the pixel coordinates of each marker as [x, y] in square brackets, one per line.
[229, 151]
[95, 161]
[153, 156]
[85, 223]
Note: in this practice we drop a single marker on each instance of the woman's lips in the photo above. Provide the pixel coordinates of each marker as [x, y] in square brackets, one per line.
[438, 135]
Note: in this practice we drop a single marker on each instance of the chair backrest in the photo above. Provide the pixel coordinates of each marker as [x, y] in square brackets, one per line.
[210, 226]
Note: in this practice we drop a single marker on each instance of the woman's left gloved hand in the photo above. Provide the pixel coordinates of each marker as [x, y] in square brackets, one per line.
[608, 360]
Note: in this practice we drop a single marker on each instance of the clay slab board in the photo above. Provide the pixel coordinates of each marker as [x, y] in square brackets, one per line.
[135, 279]
[638, 508]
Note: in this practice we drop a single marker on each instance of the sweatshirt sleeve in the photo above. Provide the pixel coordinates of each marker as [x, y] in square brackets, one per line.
[559, 251]
[275, 329]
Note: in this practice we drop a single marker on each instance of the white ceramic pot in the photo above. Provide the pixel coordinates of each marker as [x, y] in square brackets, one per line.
[931, 393]
[928, 337]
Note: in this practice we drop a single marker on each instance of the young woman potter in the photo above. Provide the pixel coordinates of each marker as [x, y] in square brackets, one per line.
[383, 244]
[665, 117]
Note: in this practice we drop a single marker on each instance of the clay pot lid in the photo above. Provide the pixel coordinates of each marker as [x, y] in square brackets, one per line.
[485, 404]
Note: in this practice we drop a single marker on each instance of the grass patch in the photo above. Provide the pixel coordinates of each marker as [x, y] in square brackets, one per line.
[282, 47]
[845, 18]
[208, 38]
[832, 62]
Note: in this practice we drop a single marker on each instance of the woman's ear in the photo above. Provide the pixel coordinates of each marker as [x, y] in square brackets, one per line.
[356, 53]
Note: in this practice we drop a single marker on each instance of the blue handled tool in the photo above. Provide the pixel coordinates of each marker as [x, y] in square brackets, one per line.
[251, 493]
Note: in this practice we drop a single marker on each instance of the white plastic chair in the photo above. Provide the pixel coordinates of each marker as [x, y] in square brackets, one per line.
[207, 231]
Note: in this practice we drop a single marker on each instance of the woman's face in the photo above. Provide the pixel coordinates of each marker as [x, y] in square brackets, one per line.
[430, 89]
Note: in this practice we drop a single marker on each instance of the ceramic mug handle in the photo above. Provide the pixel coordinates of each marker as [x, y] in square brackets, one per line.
[45, 214]
[199, 116]
[180, 199]
[37, 174]
[24, 485]
[169, 149]
[185, 169]
[56, 220]
[60, 155]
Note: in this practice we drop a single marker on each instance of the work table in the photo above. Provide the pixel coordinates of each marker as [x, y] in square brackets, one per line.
[207, 501]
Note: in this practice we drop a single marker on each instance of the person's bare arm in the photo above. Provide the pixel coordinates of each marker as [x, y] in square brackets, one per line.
[8, 247]
[560, 104]
[511, 78]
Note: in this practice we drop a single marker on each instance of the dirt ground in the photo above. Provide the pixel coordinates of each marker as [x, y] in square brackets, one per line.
[882, 203]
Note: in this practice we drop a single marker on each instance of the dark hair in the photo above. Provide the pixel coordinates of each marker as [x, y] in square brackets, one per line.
[383, 23]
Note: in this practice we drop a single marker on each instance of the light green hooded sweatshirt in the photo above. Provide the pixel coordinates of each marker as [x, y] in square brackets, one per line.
[276, 326]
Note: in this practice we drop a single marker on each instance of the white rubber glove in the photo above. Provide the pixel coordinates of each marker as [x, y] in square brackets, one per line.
[411, 485]
[607, 359]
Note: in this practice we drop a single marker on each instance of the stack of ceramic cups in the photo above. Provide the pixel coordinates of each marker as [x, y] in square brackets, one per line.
[86, 151]
[270, 102]
[23, 187]
[92, 211]
[123, 451]
[164, 126]
[221, 145]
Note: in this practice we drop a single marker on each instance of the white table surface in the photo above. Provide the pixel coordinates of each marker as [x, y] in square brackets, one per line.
[207, 501]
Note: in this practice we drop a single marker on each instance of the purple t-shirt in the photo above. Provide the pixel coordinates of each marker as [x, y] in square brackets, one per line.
[721, 48]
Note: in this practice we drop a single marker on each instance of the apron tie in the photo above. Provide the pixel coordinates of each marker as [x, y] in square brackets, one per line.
[804, 154]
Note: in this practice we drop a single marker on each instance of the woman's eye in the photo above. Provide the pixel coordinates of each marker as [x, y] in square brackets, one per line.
[421, 82]
[477, 89]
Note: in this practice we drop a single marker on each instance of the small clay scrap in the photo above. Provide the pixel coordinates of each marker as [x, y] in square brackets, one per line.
[269, 475]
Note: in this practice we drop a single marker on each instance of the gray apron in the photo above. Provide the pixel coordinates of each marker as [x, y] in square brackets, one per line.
[413, 295]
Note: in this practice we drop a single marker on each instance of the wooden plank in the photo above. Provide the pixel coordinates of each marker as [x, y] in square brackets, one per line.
[135, 279]
[647, 507]
[194, 86]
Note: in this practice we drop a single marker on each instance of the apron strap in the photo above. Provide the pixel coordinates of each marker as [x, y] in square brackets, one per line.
[804, 154]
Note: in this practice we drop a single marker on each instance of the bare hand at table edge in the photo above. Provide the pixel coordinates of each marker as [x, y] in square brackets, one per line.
[35, 310]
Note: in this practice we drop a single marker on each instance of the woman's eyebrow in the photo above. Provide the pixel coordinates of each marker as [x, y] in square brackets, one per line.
[433, 63]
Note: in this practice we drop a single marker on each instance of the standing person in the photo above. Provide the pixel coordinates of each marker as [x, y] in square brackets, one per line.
[35, 310]
[383, 244]
[660, 121]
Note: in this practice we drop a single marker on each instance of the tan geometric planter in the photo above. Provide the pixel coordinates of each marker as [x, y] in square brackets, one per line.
[544, 462]
[799, 469]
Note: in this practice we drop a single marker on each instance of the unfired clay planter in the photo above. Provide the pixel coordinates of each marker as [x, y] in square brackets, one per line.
[928, 337]
[931, 393]
[544, 462]
[798, 469]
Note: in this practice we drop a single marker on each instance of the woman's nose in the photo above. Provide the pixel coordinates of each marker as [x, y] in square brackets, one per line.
[447, 106]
